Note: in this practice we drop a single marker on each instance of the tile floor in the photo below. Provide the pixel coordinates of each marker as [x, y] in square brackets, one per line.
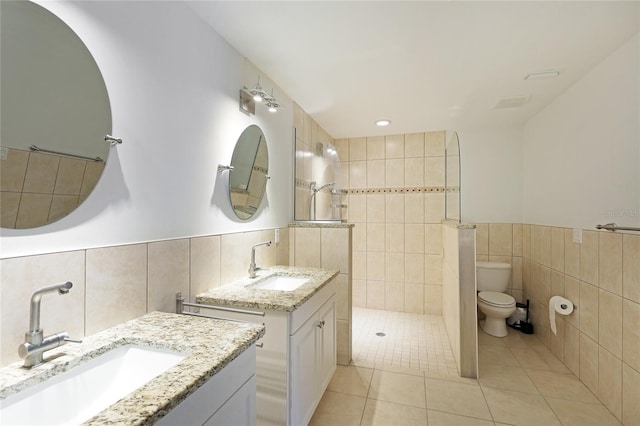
[521, 383]
[411, 341]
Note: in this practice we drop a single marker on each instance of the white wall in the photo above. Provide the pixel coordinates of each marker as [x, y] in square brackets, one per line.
[581, 153]
[173, 85]
[491, 177]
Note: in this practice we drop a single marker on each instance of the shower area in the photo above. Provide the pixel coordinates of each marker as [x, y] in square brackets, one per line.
[393, 191]
[318, 183]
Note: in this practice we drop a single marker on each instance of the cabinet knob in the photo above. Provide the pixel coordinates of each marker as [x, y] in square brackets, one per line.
[321, 324]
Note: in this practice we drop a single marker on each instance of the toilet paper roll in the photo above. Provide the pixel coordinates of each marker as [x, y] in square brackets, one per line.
[560, 305]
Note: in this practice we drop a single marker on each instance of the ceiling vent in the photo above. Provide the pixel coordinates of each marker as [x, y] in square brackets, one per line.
[512, 102]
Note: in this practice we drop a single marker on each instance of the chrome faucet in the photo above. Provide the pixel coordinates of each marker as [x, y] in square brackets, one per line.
[252, 266]
[35, 344]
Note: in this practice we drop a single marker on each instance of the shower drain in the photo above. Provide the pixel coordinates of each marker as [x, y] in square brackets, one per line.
[380, 334]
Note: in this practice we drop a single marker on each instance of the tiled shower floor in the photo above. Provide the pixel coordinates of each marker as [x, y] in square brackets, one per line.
[413, 341]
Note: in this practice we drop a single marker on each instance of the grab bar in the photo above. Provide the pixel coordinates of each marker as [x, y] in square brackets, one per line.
[613, 227]
[48, 151]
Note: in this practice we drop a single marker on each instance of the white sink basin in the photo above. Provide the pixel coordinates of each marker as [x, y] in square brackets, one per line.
[281, 282]
[77, 395]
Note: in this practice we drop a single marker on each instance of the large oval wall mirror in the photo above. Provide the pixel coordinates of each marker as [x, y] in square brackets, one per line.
[250, 172]
[55, 113]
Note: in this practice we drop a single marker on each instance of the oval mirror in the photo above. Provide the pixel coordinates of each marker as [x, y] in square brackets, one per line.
[249, 173]
[55, 113]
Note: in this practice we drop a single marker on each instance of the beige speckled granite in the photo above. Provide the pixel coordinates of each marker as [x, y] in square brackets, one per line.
[242, 293]
[209, 345]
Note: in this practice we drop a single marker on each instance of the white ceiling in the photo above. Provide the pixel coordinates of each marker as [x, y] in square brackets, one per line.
[425, 65]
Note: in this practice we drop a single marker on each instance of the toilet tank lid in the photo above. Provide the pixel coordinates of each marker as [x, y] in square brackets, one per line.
[493, 265]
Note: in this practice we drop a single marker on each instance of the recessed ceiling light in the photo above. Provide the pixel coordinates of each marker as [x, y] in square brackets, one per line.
[383, 123]
[542, 74]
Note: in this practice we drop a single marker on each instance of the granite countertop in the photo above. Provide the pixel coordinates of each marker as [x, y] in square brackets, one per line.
[209, 345]
[242, 294]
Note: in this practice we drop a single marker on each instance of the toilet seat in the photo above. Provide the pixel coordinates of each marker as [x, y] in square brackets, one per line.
[493, 298]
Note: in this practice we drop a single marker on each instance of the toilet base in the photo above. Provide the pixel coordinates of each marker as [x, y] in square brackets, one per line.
[496, 327]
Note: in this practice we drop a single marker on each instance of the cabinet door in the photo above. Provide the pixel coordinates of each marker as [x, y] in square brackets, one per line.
[326, 344]
[304, 362]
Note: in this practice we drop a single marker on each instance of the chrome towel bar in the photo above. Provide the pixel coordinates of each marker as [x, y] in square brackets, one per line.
[180, 303]
[613, 227]
[49, 151]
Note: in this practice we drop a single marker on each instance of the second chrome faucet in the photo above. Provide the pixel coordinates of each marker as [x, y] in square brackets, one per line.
[252, 266]
[35, 343]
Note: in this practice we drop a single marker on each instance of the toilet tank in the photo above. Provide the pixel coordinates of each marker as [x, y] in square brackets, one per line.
[493, 276]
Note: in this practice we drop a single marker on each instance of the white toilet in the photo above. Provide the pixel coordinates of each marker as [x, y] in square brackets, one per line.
[493, 280]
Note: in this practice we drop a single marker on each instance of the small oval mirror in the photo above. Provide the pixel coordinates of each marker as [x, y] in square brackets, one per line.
[55, 114]
[249, 173]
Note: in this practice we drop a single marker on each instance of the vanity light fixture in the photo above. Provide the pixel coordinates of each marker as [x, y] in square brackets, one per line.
[250, 96]
[257, 92]
[383, 123]
[271, 103]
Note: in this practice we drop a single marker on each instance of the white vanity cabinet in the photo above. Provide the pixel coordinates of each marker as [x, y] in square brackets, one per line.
[296, 358]
[313, 362]
[227, 398]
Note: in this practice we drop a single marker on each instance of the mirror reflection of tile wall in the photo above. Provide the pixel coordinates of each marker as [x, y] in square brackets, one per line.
[41, 188]
[395, 198]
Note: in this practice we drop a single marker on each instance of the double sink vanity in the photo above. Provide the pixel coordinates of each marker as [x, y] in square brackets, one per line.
[255, 350]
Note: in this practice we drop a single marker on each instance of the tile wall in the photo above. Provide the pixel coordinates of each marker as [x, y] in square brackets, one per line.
[395, 199]
[329, 247]
[600, 341]
[41, 188]
[112, 285]
[459, 295]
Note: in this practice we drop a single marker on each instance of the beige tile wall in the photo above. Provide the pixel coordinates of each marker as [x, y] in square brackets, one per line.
[459, 295]
[37, 188]
[114, 284]
[329, 247]
[600, 340]
[396, 202]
